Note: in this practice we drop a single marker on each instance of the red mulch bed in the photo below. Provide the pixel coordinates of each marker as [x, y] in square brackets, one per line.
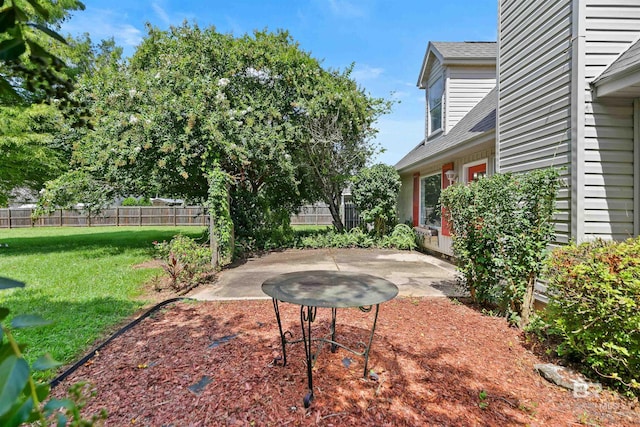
[434, 360]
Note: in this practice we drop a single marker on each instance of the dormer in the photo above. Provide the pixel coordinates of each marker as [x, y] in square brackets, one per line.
[455, 76]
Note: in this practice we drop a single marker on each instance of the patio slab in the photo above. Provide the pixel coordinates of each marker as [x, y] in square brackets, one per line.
[416, 274]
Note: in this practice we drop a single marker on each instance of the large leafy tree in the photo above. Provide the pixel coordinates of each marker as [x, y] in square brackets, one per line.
[29, 63]
[32, 73]
[28, 154]
[191, 101]
[338, 131]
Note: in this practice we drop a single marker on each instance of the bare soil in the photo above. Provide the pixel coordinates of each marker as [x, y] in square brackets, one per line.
[434, 361]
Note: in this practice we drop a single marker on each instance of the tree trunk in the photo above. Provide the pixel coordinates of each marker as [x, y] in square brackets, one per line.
[527, 303]
[334, 208]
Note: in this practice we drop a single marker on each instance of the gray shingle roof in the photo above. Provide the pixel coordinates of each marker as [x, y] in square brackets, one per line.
[628, 60]
[466, 50]
[481, 119]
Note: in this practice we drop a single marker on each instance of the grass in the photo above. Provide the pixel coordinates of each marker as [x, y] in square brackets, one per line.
[81, 279]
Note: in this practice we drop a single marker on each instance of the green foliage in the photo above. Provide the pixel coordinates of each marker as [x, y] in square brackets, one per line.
[22, 398]
[28, 144]
[501, 227]
[27, 61]
[375, 192]
[402, 237]
[220, 211]
[192, 101]
[594, 307]
[132, 201]
[184, 260]
[75, 187]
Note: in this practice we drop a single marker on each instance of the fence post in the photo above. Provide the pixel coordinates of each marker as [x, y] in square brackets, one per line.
[174, 216]
[117, 216]
[140, 216]
[9, 217]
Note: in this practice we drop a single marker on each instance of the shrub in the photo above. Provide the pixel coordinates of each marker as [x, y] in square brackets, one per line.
[402, 237]
[501, 227]
[594, 307]
[132, 201]
[375, 192]
[184, 260]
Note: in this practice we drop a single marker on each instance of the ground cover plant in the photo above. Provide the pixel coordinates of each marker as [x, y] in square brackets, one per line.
[80, 279]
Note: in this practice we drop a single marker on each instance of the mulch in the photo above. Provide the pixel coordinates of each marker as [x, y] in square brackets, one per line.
[434, 361]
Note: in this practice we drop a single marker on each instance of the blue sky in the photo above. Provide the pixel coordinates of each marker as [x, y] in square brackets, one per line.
[385, 39]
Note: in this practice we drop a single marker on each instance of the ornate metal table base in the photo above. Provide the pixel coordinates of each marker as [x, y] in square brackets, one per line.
[307, 317]
[326, 289]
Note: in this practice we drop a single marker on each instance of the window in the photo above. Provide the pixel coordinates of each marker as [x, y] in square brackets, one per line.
[436, 91]
[430, 201]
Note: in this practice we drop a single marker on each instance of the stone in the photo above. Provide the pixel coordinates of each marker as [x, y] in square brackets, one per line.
[569, 379]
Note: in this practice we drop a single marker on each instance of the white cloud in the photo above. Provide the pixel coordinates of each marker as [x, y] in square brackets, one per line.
[161, 13]
[346, 9]
[103, 24]
[364, 72]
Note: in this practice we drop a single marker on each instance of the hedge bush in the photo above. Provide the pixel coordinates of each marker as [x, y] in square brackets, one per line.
[501, 227]
[594, 307]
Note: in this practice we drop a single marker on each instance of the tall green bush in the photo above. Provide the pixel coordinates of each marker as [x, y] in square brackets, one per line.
[501, 227]
[375, 192]
[594, 306]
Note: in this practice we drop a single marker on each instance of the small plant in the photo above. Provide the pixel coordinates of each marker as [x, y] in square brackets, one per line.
[402, 237]
[184, 260]
[482, 396]
[22, 398]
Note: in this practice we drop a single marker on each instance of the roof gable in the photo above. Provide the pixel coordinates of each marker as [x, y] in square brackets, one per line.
[481, 120]
[456, 53]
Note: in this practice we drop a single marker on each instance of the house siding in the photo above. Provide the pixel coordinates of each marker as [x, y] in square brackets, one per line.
[534, 101]
[466, 87]
[610, 28]
[405, 198]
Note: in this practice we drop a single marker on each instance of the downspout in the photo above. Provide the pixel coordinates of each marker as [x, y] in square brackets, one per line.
[578, 83]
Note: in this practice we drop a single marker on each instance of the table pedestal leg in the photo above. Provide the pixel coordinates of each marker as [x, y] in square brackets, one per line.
[373, 329]
[283, 339]
[334, 347]
[308, 316]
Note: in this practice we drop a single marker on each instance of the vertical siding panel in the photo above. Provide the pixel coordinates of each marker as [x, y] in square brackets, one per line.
[611, 27]
[534, 50]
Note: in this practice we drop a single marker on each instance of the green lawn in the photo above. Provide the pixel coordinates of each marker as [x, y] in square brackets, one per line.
[80, 278]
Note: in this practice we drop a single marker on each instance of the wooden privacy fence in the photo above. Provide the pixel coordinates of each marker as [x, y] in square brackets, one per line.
[118, 216]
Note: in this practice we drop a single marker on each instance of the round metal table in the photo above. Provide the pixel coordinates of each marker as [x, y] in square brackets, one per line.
[326, 289]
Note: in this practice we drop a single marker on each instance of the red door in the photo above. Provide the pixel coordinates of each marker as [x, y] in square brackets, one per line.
[476, 172]
[416, 199]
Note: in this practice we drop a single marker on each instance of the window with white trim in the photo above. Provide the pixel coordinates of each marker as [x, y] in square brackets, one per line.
[430, 187]
[434, 100]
